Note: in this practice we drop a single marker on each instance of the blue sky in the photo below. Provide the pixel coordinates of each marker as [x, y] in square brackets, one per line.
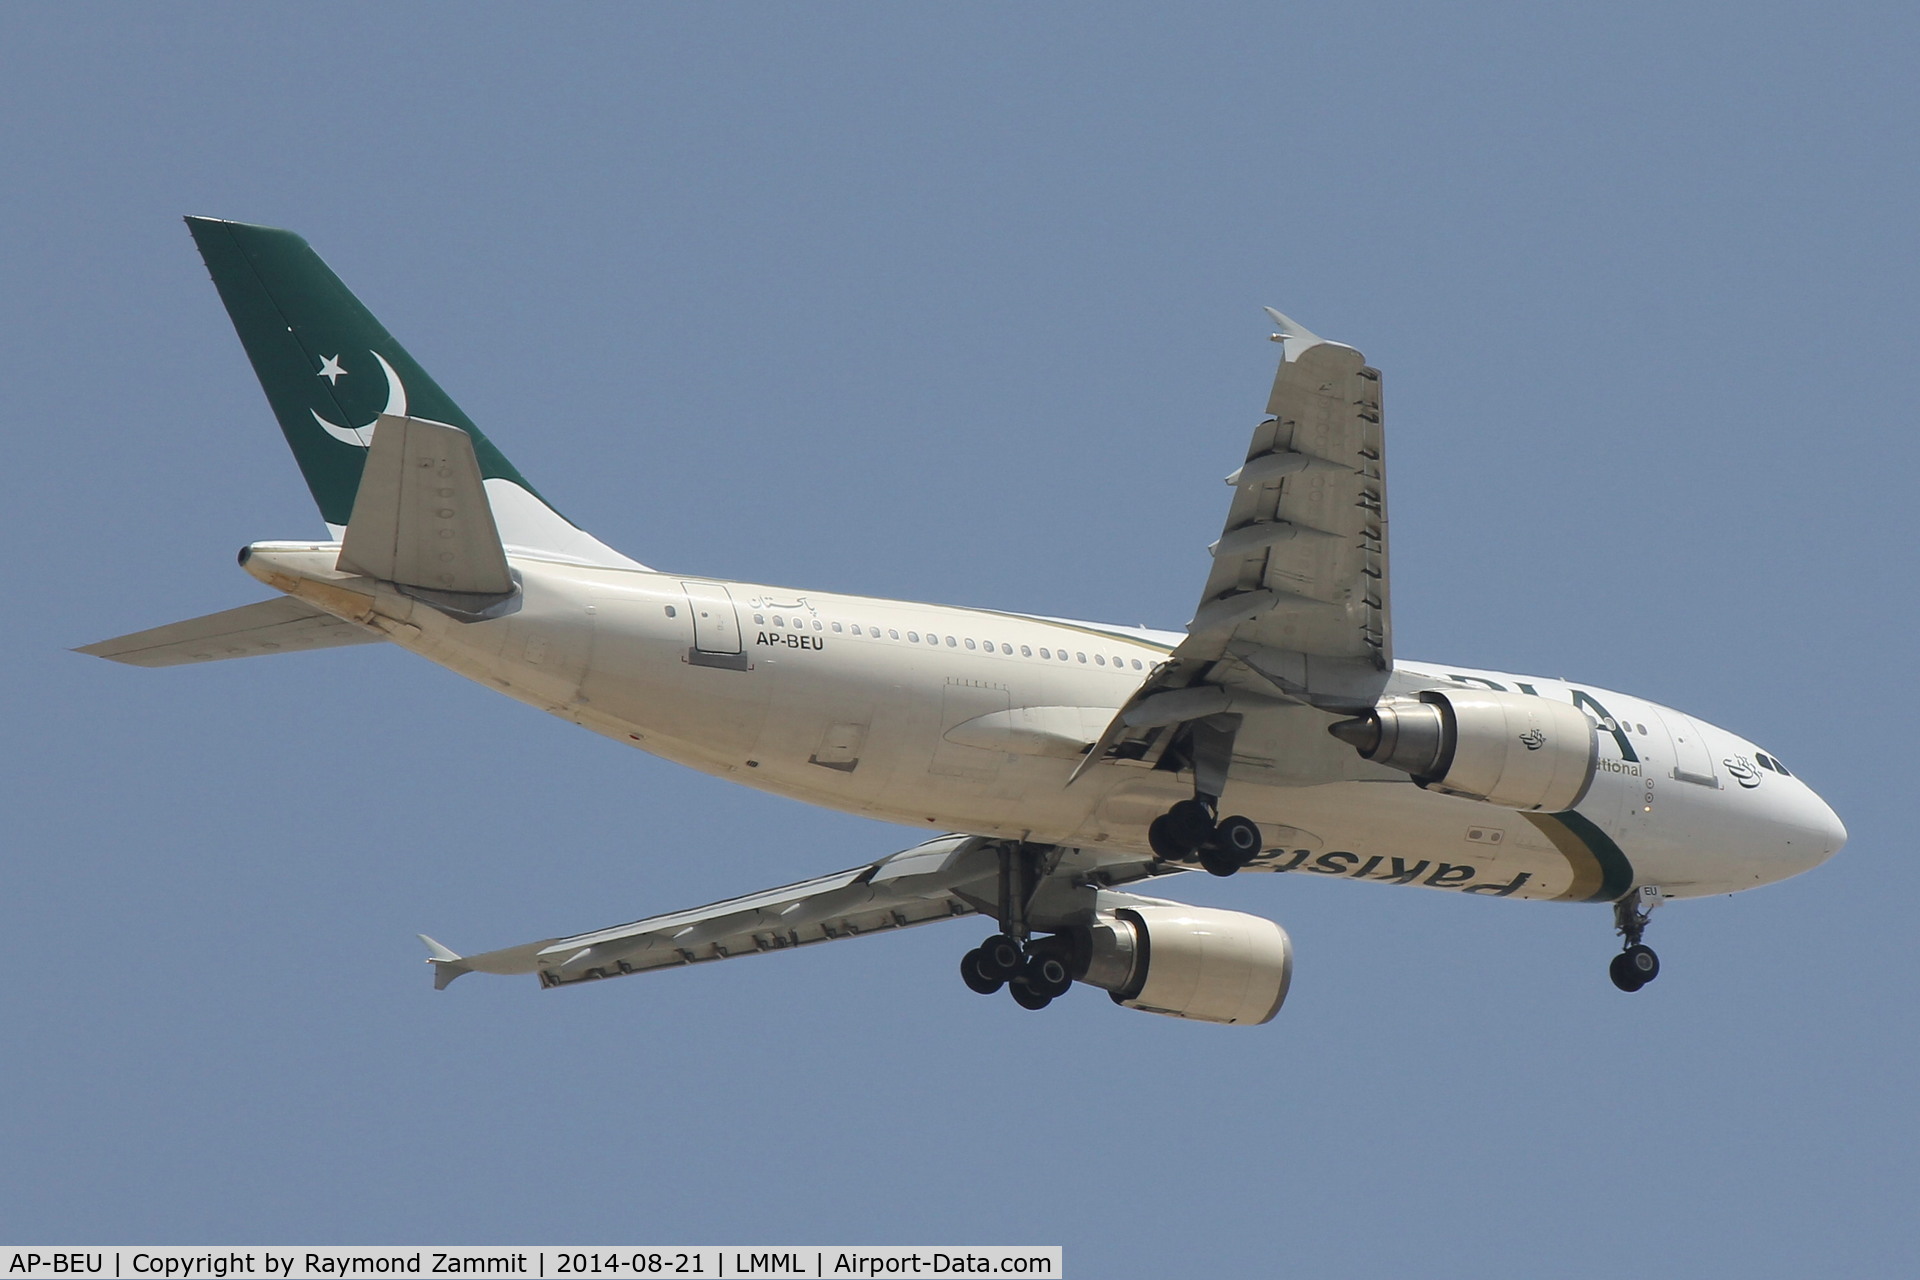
[961, 304]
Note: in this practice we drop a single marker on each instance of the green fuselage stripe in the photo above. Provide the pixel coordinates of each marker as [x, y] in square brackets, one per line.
[1601, 872]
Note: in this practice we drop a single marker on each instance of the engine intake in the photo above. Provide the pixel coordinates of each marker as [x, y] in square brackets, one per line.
[1188, 962]
[1509, 749]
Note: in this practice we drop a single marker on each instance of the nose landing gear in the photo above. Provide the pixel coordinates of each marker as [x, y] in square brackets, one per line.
[1636, 965]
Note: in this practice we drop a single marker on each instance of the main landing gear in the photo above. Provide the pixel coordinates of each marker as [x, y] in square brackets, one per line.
[1193, 828]
[1034, 973]
[1636, 965]
[1034, 976]
[1188, 831]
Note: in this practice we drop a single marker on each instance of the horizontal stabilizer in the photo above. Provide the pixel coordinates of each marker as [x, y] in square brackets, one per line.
[272, 626]
[421, 517]
[445, 961]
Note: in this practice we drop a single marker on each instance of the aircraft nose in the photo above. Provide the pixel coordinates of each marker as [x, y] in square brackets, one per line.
[1824, 829]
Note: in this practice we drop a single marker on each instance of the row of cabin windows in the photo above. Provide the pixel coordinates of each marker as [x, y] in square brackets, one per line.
[952, 642]
[1761, 758]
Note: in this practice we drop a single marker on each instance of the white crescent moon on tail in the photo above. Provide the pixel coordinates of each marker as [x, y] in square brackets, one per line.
[361, 437]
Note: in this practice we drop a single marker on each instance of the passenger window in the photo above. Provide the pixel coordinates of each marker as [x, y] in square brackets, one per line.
[1081, 656]
[1099, 660]
[914, 636]
[895, 635]
[672, 612]
[1026, 651]
[1046, 653]
[1640, 729]
[856, 628]
[1137, 666]
[836, 626]
[954, 644]
[818, 627]
[970, 644]
[759, 619]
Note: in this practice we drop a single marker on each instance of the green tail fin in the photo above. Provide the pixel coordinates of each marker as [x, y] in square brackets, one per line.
[328, 367]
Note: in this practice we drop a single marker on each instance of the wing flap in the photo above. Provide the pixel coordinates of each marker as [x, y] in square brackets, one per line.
[253, 630]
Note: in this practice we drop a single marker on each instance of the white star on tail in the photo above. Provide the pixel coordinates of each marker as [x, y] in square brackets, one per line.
[330, 370]
[363, 436]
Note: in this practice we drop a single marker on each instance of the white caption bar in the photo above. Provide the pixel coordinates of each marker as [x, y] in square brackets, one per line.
[543, 1262]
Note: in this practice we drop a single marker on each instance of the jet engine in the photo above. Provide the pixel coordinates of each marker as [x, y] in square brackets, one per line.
[1509, 749]
[1187, 962]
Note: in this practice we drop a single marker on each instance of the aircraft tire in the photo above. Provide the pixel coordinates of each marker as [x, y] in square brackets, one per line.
[1240, 837]
[1641, 961]
[1000, 958]
[1027, 998]
[1218, 861]
[975, 980]
[1164, 835]
[1623, 977]
[1190, 822]
[1045, 975]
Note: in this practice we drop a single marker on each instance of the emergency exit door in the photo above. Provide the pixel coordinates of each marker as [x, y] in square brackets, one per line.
[716, 627]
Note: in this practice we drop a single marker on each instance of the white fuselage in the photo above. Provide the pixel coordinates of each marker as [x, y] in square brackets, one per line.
[964, 719]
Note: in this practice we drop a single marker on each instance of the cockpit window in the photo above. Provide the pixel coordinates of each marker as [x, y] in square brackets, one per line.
[1769, 762]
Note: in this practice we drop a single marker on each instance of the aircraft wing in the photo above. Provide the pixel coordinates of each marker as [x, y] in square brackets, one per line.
[1295, 607]
[1300, 571]
[285, 625]
[955, 875]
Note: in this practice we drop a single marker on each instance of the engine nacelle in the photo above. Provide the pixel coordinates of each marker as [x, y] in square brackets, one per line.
[1188, 962]
[1509, 749]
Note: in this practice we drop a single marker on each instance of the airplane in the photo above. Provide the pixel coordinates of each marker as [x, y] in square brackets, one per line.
[1060, 764]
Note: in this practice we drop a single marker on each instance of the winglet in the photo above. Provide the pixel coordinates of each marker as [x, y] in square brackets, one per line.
[1290, 328]
[447, 963]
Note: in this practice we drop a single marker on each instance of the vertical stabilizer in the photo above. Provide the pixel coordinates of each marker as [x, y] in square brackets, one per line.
[330, 370]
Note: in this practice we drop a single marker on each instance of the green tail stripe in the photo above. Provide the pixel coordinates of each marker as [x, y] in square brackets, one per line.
[314, 347]
[1601, 872]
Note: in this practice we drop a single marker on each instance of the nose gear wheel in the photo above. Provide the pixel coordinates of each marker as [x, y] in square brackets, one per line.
[1636, 965]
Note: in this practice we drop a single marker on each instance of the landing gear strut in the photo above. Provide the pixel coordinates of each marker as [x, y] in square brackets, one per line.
[1636, 965]
[1192, 828]
[1034, 973]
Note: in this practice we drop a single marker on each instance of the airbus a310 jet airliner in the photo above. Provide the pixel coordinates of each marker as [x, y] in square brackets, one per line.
[1065, 762]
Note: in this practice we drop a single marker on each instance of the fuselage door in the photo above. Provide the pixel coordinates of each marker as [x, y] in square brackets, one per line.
[1691, 763]
[716, 627]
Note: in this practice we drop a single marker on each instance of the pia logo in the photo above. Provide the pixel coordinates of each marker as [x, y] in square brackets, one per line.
[1533, 739]
[1743, 771]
